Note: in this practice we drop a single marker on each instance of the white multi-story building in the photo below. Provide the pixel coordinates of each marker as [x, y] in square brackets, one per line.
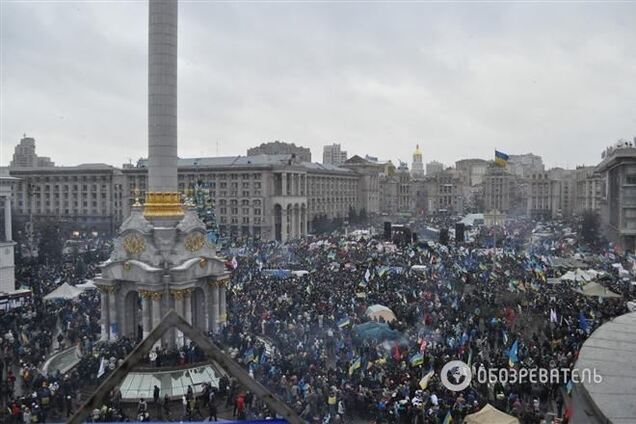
[24, 155]
[333, 155]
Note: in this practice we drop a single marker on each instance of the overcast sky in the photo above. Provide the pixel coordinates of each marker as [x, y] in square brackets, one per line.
[460, 79]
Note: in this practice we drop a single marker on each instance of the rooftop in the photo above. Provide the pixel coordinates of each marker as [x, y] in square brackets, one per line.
[256, 160]
[610, 351]
[614, 155]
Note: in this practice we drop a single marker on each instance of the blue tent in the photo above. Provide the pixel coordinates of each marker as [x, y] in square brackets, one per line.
[375, 331]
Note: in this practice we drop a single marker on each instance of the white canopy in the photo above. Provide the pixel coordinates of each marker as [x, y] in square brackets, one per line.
[580, 275]
[65, 291]
[594, 289]
[380, 311]
[87, 285]
[490, 415]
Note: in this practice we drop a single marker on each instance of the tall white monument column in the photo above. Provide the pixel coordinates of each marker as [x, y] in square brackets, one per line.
[162, 249]
[162, 92]
[162, 198]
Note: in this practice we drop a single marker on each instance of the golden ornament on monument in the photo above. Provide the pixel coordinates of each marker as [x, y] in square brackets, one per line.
[194, 242]
[134, 244]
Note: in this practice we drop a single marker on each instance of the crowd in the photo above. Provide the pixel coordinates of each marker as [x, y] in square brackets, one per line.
[301, 335]
[36, 330]
[469, 303]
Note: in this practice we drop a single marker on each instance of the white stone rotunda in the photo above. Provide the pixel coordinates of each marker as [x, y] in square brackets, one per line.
[162, 259]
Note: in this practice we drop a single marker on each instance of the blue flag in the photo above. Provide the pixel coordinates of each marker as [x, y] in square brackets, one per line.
[513, 352]
[583, 324]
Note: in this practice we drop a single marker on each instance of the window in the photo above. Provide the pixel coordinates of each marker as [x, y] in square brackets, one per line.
[630, 179]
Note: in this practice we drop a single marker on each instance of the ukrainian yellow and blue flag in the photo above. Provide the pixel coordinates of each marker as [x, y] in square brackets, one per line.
[354, 365]
[501, 158]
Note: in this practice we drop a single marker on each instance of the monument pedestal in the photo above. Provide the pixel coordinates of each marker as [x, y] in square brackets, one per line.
[156, 266]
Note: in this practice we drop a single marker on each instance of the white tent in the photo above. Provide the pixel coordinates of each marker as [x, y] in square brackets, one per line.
[594, 289]
[65, 291]
[87, 285]
[490, 415]
[580, 275]
[376, 312]
[568, 276]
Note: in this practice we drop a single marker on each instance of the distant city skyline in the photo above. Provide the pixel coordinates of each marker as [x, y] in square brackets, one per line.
[459, 80]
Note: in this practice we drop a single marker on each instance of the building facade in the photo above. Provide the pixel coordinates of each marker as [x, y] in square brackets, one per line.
[274, 197]
[588, 189]
[333, 155]
[88, 197]
[503, 191]
[618, 195]
[434, 167]
[368, 182]
[446, 192]
[397, 192]
[525, 165]
[473, 170]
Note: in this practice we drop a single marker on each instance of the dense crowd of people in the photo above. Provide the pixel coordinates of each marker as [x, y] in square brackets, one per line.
[306, 335]
[37, 329]
[468, 303]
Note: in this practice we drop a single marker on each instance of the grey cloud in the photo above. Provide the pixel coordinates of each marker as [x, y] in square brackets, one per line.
[459, 79]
